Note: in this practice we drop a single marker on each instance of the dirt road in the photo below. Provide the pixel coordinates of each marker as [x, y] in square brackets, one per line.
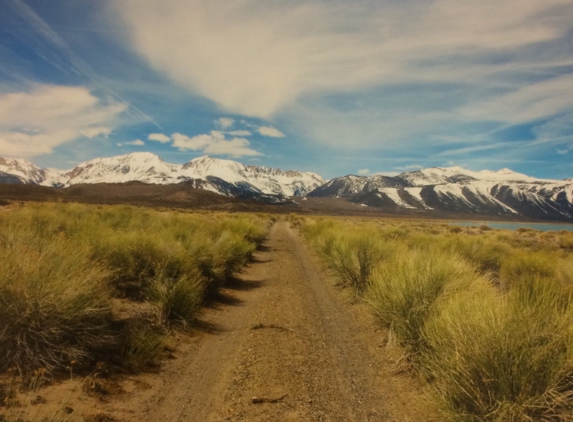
[282, 344]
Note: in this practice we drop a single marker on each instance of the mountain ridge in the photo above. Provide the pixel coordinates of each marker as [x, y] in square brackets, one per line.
[226, 177]
[457, 190]
[435, 189]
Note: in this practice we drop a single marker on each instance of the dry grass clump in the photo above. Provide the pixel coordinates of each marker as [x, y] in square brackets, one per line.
[143, 345]
[483, 251]
[485, 316]
[54, 302]
[405, 290]
[351, 255]
[177, 300]
[61, 265]
[495, 357]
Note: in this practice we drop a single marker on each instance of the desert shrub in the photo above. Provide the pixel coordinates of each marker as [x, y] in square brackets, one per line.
[252, 229]
[60, 263]
[135, 258]
[178, 300]
[54, 302]
[143, 345]
[232, 251]
[525, 264]
[503, 358]
[485, 252]
[405, 289]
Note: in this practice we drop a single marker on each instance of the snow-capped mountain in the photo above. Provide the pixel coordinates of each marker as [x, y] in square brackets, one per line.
[222, 176]
[455, 189]
[22, 171]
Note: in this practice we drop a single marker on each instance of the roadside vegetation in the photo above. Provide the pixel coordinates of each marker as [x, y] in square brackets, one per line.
[485, 317]
[82, 286]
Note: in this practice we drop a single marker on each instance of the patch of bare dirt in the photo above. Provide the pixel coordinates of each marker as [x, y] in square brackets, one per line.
[280, 344]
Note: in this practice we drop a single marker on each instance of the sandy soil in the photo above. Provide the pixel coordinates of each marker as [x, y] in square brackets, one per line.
[280, 344]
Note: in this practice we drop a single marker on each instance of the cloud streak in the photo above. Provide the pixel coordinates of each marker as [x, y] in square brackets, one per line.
[215, 143]
[35, 122]
[255, 57]
[270, 132]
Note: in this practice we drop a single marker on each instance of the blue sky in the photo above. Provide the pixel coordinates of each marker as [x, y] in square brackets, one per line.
[331, 86]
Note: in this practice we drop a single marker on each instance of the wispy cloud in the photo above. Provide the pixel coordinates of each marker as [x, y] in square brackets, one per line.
[78, 64]
[364, 172]
[137, 143]
[35, 122]
[271, 132]
[224, 122]
[239, 133]
[263, 56]
[215, 143]
[529, 103]
[159, 137]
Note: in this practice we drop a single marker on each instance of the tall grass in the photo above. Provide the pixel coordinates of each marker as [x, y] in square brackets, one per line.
[351, 256]
[61, 265]
[178, 300]
[405, 290]
[485, 317]
[54, 302]
[503, 358]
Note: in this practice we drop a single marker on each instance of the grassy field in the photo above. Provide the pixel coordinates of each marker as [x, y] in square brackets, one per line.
[81, 285]
[485, 317]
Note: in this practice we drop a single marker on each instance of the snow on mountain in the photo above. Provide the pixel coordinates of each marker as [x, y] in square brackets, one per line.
[441, 175]
[341, 187]
[223, 176]
[268, 180]
[26, 172]
[455, 189]
[142, 166]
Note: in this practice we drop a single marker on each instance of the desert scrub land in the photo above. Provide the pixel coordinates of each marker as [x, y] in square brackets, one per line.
[83, 287]
[484, 317]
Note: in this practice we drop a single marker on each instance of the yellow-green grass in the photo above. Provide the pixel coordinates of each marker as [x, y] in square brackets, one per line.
[485, 316]
[63, 265]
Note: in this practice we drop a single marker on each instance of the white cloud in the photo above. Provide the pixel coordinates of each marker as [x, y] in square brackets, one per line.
[137, 142]
[92, 132]
[256, 58]
[532, 102]
[215, 143]
[35, 122]
[239, 133]
[159, 137]
[271, 131]
[363, 172]
[224, 122]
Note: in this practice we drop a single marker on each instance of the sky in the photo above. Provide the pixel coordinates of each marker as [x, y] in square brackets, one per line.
[331, 86]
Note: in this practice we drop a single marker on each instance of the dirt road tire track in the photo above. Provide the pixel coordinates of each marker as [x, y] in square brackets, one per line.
[286, 336]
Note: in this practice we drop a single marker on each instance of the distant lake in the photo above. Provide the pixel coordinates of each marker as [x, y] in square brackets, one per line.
[545, 227]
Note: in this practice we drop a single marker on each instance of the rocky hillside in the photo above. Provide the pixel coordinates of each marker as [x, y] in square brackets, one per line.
[458, 190]
[225, 177]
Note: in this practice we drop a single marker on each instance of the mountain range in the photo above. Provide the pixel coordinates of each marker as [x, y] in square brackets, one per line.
[457, 190]
[432, 190]
[225, 177]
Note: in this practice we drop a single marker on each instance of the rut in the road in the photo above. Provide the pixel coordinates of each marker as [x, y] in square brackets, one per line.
[287, 338]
